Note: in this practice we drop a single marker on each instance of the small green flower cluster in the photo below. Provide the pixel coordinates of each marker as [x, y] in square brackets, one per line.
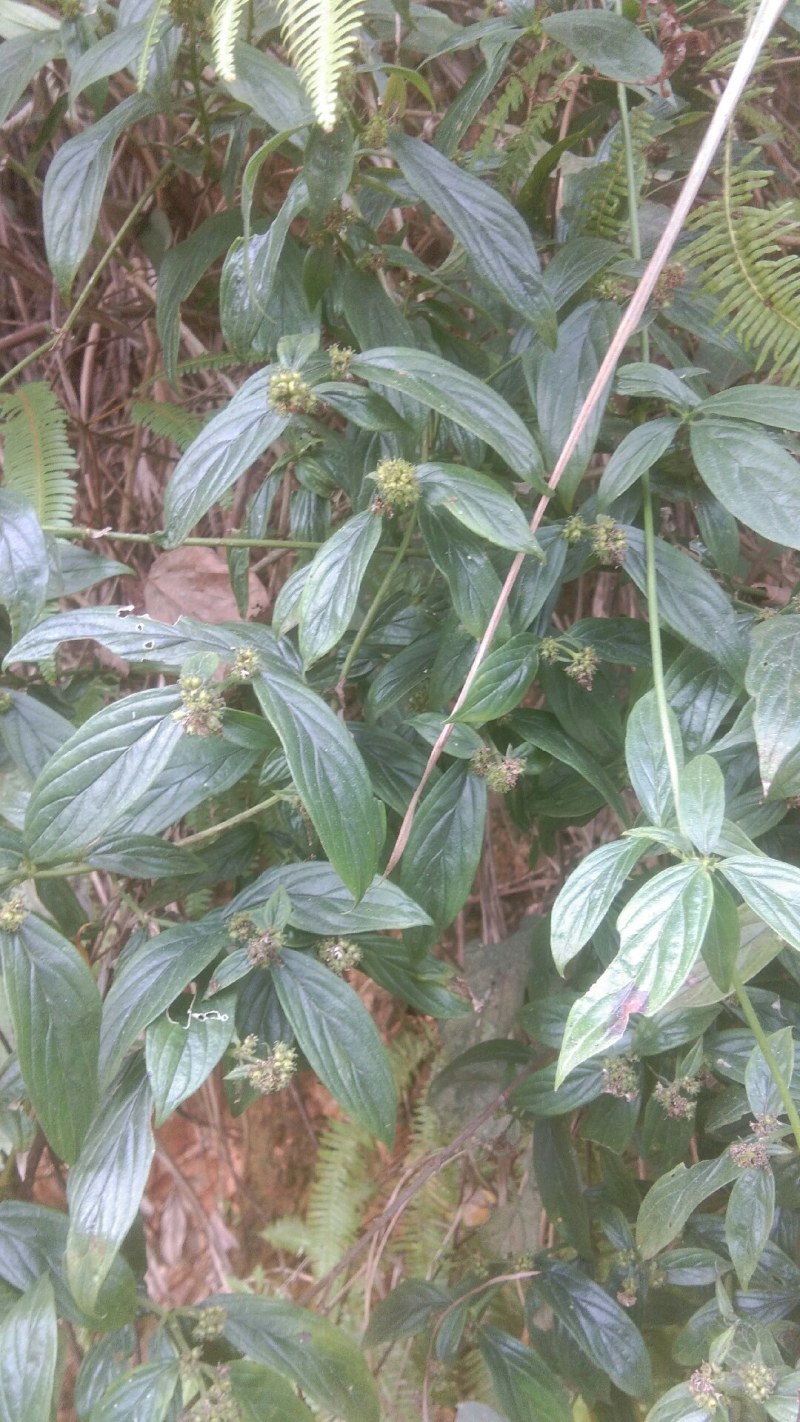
[397, 483]
[339, 954]
[201, 712]
[264, 1074]
[500, 772]
[621, 1077]
[13, 913]
[290, 393]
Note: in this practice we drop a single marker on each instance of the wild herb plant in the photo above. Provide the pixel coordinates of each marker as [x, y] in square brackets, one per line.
[523, 437]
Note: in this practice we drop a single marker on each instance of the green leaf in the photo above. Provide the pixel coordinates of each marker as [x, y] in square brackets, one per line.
[407, 1309]
[250, 272]
[333, 583]
[459, 396]
[55, 1007]
[587, 896]
[328, 161]
[526, 1389]
[502, 680]
[644, 380]
[721, 943]
[749, 1219]
[419, 981]
[75, 184]
[782, 1404]
[231, 441]
[31, 732]
[479, 504]
[33, 1240]
[558, 1181]
[146, 1391]
[444, 847]
[105, 1188]
[773, 679]
[24, 572]
[701, 802]
[148, 981]
[121, 49]
[28, 1351]
[181, 1055]
[21, 58]
[763, 1096]
[100, 772]
[330, 776]
[765, 404]
[262, 1395]
[462, 559]
[559, 382]
[661, 934]
[540, 729]
[321, 905]
[672, 1199]
[641, 448]
[690, 602]
[144, 856]
[491, 231]
[771, 889]
[339, 1039]
[463, 742]
[647, 761]
[602, 1330]
[180, 271]
[269, 88]
[752, 476]
[610, 44]
[318, 1357]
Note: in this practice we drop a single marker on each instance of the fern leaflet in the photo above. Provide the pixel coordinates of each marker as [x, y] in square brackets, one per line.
[38, 457]
[225, 17]
[320, 36]
[742, 261]
[167, 421]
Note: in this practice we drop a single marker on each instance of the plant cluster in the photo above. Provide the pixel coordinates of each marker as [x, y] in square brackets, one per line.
[496, 552]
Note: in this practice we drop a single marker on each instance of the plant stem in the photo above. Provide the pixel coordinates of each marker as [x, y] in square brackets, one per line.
[157, 539]
[364, 629]
[108, 254]
[656, 652]
[769, 1056]
[239, 819]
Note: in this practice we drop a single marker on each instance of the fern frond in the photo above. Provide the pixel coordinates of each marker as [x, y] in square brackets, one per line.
[320, 36]
[742, 262]
[151, 38]
[225, 17]
[38, 458]
[341, 1191]
[167, 421]
[603, 191]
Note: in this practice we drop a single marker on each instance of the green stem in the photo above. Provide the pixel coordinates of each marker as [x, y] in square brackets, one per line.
[157, 539]
[769, 1056]
[108, 254]
[656, 652]
[239, 819]
[364, 629]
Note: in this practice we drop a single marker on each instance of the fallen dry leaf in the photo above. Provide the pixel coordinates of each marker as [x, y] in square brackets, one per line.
[194, 582]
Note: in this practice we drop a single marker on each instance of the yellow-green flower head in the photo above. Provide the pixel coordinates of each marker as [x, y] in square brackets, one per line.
[13, 913]
[290, 393]
[202, 708]
[397, 483]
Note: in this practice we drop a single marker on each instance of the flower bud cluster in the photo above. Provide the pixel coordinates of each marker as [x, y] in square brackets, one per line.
[201, 712]
[13, 913]
[397, 483]
[290, 393]
[621, 1077]
[265, 1074]
[501, 772]
[339, 954]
